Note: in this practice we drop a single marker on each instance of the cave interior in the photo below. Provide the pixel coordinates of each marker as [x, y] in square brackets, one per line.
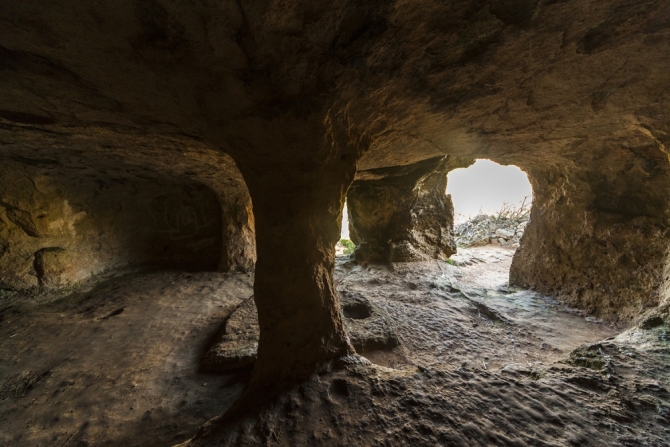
[172, 180]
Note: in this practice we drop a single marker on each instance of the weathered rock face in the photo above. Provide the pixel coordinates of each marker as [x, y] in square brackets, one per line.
[301, 94]
[403, 214]
[598, 238]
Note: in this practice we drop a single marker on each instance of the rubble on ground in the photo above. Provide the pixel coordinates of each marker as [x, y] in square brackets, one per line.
[505, 228]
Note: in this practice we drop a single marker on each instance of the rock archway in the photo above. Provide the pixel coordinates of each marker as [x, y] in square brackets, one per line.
[597, 235]
[306, 96]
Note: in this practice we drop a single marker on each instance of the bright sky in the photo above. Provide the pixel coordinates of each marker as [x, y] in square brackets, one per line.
[486, 185]
[345, 222]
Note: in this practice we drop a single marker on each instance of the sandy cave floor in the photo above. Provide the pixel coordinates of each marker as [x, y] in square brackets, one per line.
[479, 363]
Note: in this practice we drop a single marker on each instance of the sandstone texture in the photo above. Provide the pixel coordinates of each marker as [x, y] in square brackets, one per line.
[278, 110]
[368, 327]
[403, 214]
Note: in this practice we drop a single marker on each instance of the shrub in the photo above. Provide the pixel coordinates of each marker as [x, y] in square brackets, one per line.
[349, 246]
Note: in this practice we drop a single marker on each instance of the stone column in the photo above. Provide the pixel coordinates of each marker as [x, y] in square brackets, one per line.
[402, 213]
[298, 190]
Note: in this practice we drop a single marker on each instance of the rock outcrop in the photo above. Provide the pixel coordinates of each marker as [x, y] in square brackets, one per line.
[505, 229]
[403, 214]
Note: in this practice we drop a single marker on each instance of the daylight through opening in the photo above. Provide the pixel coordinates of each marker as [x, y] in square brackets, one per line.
[491, 212]
[485, 188]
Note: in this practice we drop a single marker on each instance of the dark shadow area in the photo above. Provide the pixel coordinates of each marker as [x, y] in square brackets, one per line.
[62, 224]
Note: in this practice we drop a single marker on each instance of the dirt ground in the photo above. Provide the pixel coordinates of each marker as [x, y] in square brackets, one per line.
[467, 314]
[116, 365]
[479, 363]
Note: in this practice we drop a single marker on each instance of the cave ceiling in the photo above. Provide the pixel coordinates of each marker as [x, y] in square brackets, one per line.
[518, 81]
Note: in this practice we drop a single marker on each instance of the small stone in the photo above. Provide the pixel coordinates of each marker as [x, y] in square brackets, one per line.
[651, 322]
[503, 233]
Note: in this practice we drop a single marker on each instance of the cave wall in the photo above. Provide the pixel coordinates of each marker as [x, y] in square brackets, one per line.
[303, 93]
[238, 230]
[403, 213]
[597, 238]
[60, 226]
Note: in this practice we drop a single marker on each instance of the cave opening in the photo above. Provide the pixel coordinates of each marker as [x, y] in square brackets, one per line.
[492, 204]
[450, 228]
[486, 187]
[345, 246]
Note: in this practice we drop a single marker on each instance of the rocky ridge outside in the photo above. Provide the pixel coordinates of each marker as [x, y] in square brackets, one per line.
[505, 228]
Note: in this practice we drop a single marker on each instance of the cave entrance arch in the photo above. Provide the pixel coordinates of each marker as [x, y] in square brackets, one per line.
[485, 187]
[491, 211]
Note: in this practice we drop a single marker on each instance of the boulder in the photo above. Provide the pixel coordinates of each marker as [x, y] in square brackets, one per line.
[403, 214]
[504, 233]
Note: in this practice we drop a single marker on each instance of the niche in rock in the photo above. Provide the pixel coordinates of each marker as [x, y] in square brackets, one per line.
[59, 225]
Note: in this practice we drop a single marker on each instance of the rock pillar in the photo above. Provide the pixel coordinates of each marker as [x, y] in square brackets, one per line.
[402, 213]
[298, 190]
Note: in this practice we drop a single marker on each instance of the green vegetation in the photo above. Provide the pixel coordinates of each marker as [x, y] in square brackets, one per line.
[349, 246]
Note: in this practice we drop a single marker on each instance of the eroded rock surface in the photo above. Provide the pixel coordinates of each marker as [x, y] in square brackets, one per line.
[519, 405]
[368, 327]
[403, 214]
[115, 362]
[464, 346]
[237, 346]
[479, 363]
